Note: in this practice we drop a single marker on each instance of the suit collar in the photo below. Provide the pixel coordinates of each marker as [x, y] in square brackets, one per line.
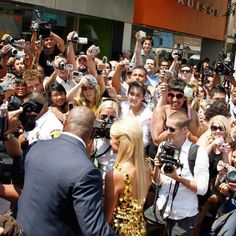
[72, 138]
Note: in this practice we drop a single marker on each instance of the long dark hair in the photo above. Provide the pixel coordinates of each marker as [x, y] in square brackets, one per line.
[55, 87]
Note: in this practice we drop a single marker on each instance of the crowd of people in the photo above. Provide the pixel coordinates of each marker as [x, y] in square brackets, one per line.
[92, 139]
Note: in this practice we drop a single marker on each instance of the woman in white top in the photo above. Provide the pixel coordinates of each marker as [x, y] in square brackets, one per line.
[135, 106]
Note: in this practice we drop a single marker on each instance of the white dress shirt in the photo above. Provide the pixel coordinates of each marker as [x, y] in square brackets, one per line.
[185, 203]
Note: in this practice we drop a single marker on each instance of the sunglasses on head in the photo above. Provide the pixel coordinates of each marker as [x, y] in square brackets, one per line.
[171, 129]
[215, 128]
[178, 95]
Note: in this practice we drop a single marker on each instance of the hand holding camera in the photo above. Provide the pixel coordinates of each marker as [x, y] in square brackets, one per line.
[142, 34]
[169, 158]
[92, 51]
[177, 54]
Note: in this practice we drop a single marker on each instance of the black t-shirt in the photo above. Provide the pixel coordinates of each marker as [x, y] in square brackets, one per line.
[45, 60]
[213, 161]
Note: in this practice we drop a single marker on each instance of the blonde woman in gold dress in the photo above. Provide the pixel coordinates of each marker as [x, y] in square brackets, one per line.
[126, 186]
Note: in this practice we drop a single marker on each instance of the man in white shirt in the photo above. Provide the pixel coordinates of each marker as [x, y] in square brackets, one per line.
[181, 202]
[61, 74]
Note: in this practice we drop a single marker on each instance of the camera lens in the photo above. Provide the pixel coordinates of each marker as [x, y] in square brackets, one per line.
[168, 167]
[231, 176]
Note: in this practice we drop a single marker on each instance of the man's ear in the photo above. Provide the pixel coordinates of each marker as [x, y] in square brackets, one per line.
[186, 129]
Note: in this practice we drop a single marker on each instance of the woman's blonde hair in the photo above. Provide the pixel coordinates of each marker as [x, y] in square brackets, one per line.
[85, 102]
[129, 133]
[107, 104]
[224, 123]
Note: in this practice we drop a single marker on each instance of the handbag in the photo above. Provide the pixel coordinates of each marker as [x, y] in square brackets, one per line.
[152, 215]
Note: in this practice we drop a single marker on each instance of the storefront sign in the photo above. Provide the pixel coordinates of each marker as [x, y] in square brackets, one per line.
[203, 7]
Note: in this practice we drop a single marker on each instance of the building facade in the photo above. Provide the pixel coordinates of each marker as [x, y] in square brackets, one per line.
[196, 26]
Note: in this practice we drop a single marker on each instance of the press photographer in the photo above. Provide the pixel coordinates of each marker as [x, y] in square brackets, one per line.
[179, 180]
[169, 157]
[224, 70]
[52, 43]
[106, 114]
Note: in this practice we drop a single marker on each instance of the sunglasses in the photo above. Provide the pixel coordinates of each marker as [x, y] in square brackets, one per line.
[185, 71]
[215, 128]
[178, 95]
[171, 129]
[104, 116]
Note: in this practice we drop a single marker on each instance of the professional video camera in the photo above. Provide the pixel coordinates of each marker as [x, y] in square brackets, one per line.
[169, 156]
[103, 126]
[225, 65]
[40, 26]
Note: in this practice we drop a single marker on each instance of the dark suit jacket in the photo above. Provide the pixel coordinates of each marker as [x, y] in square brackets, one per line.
[62, 191]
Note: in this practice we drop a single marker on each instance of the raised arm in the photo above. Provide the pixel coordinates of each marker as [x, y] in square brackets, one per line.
[59, 41]
[157, 126]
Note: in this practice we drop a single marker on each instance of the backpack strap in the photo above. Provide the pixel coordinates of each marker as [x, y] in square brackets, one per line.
[192, 156]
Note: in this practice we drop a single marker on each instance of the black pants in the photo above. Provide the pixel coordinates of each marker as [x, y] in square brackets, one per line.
[183, 227]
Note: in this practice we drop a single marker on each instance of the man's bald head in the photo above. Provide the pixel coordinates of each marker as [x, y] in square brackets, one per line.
[80, 122]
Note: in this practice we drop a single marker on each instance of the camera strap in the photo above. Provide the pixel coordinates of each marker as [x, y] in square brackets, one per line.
[167, 199]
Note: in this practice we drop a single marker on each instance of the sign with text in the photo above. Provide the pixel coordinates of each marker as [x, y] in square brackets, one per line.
[196, 17]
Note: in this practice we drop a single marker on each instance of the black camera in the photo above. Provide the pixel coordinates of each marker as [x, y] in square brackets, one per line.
[28, 119]
[169, 156]
[224, 66]
[14, 103]
[6, 166]
[231, 176]
[3, 120]
[179, 52]
[103, 126]
[40, 26]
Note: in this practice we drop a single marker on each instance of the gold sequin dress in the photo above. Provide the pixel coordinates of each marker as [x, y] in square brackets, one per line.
[128, 216]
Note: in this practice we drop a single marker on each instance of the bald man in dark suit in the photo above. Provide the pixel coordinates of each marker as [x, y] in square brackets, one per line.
[63, 190]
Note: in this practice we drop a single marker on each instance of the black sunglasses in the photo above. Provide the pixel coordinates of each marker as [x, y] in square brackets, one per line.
[104, 116]
[185, 71]
[178, 95]
[215, 128]
[171, 129]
